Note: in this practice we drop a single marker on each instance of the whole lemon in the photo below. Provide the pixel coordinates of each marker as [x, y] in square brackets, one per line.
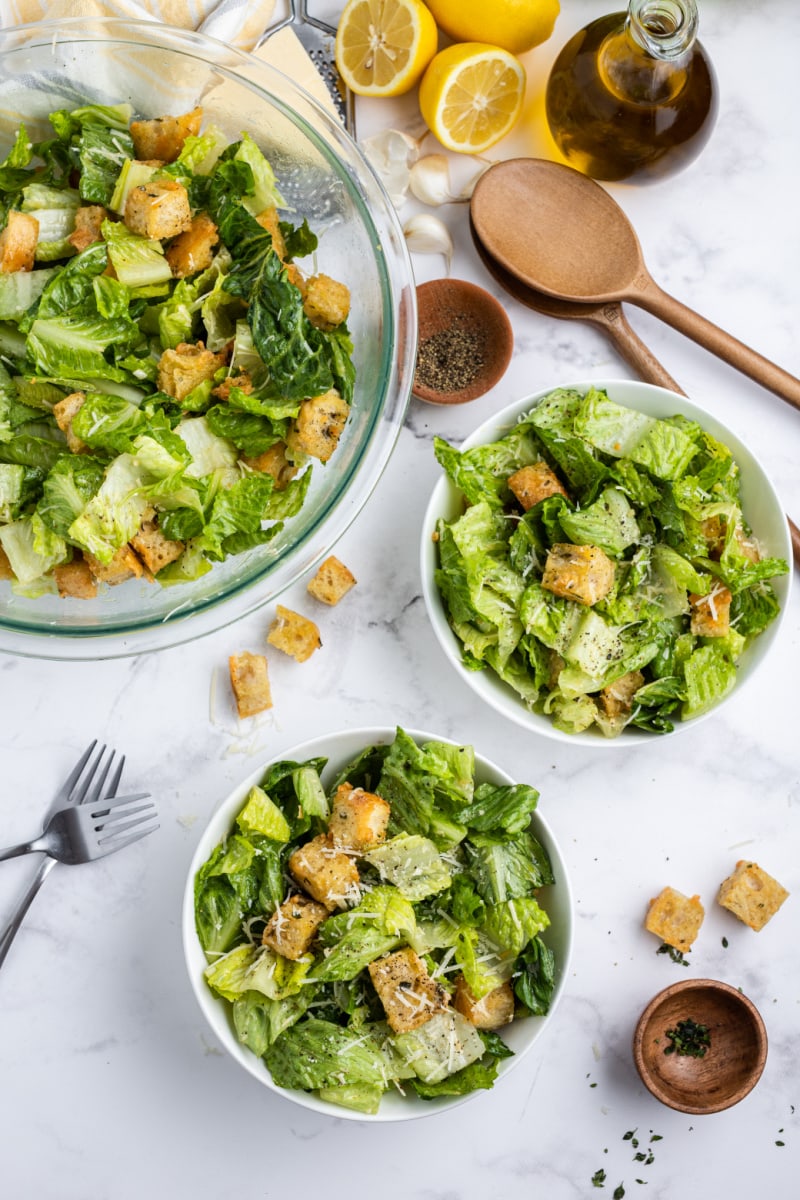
[516, 25]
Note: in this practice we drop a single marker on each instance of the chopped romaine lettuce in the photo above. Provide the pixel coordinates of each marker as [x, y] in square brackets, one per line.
[317, 1019]
[98, 326]
[660, 498]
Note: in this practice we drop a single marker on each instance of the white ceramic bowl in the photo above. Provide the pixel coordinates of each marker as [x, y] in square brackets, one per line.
[760, 504]
[340, 748]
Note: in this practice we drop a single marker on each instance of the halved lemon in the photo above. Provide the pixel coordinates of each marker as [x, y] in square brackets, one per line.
[383, 46]
[471, 95]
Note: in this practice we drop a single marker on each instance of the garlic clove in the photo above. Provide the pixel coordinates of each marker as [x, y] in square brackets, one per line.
[426, 234]
[391, 152]
[429, 180]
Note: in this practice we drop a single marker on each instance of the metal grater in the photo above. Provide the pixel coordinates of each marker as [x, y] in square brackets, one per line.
[317, 39]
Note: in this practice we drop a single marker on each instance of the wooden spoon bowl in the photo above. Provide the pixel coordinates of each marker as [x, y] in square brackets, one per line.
[467, 314]
[733, 1062]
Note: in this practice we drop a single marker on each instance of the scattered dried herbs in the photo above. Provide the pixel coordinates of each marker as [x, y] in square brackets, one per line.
[689, 1038]
[676, 955]
[599, 1178]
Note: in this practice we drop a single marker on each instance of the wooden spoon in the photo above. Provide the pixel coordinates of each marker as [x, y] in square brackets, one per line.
[608, 317]
[561, 233]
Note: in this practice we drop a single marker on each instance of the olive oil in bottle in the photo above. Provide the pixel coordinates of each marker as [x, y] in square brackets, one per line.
[633, 95]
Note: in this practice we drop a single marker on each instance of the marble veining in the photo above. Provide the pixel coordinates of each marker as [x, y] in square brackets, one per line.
[114, 1088]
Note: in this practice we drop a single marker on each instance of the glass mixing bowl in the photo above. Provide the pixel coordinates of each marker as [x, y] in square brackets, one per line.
[325, 178]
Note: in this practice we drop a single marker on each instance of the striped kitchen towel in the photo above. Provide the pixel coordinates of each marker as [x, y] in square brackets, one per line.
[238, 23]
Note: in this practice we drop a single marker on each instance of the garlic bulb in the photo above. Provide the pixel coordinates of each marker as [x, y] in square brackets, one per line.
[426, 234]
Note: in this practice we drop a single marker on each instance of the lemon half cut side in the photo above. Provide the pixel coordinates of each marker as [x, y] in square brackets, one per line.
[383, 46]
[471, 95]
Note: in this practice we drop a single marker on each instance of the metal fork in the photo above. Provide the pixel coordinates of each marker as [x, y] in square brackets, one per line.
[74, 790]
[82, 833]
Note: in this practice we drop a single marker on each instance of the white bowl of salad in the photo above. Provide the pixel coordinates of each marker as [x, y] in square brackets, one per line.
[604, 562]
[206, 335]
[378, 924]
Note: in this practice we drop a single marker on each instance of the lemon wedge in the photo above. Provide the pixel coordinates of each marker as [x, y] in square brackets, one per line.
[471, 95]
[383, 46]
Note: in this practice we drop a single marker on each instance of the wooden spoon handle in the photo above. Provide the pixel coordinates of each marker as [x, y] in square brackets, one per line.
[647, 294]
[794, 534]
[613, 321]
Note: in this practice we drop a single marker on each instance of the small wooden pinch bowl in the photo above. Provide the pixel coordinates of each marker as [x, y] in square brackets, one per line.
[455, 305]
[733, 1062]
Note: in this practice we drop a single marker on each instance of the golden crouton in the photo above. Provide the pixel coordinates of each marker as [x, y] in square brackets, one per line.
[711, 614]
[319, 425]
[326, 302]
[582, 573]
[193, 250]
[675, 918]
[617, 698]
[242, 381]
[491, 1011]
[64, 411]
[275, 463]
[291, 927]
[751, 894]
[163, 137]
[88, 219]
[268, 219]
[75, 579]
[123, 566]
[182, 369]
[159, 209]
[295, 276]
[294, 635]
[358, 818]
[18, 242]
[405, 989]
[5, 566]
[155, 550]
[250, 683]
[713, 530]
[748, 545]
[327, 874]
[534, 483]
[332, 581]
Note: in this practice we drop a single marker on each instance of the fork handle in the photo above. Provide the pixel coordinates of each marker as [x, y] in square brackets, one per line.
[22, 848]
[23, 904]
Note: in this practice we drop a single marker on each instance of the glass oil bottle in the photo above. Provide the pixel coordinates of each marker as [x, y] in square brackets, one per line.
[633, 95]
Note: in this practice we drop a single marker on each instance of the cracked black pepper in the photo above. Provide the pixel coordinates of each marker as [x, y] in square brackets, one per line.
[450, 360]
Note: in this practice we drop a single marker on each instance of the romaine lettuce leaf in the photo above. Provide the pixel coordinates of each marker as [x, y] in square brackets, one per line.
[317, 1054]
[661, 447]
[507, 807]
[67, 489]
[412, 863]
[440, 1047]
[535, 984]
[259, 1021]
[506, 867]
[710, 673]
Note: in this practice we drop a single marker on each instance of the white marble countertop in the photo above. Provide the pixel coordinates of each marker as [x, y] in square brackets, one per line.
[113, 1086]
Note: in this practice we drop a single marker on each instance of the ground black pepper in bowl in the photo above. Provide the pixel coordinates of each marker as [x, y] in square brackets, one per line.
[448, 361]
[465, 341]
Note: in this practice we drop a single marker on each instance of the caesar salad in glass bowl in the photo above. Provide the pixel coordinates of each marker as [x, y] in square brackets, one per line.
[604, 562]
[189, 415]
[377, 924]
